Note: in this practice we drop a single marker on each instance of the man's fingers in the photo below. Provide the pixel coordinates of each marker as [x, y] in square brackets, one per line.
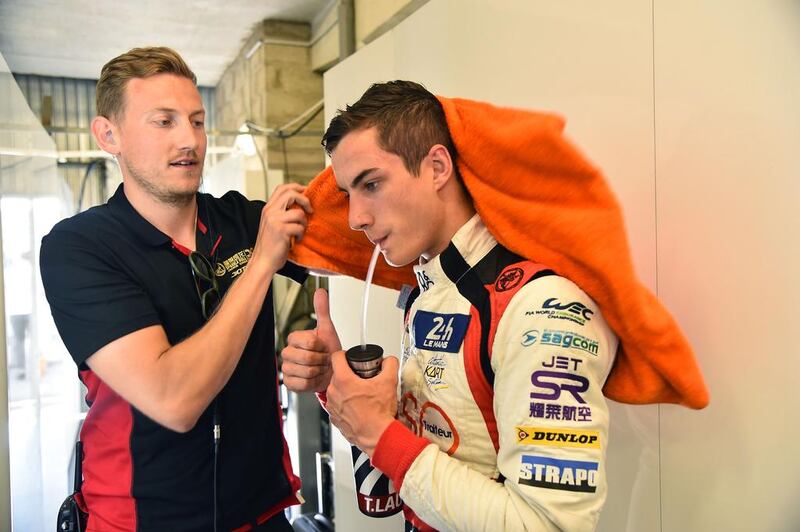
[303, 371]
[301, 200]
[304, 340]
[294, 216]
[305, 357]
[295, 230]
[297, 384]
[288, 194]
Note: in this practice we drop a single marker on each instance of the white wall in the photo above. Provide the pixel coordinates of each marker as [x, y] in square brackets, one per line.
[728, 179]
[691, 110]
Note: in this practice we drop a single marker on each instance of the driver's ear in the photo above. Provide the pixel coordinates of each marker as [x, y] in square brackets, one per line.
[442, 164]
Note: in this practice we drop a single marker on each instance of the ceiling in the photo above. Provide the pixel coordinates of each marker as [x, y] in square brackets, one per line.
[75, 38]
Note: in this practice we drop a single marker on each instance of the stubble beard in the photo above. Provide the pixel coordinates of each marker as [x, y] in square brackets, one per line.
[176, 198]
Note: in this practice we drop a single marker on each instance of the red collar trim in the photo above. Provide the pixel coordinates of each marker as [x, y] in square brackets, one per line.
[203, 229]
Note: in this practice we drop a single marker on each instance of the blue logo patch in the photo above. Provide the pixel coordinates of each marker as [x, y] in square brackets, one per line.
[439, 332]
[529, 337]
[565, 339]
[565, 475]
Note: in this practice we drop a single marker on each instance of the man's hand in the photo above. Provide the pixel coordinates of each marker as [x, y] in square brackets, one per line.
[280, 225]
[362, 408]
[307, 357]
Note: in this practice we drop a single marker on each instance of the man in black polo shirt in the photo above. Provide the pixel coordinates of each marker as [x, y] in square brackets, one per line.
[162, 296]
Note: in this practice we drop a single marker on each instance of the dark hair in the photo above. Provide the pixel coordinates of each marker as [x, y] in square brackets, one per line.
[136, 63]
[408, 117]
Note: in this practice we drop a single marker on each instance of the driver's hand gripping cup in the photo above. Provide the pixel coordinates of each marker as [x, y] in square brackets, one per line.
[376, 494]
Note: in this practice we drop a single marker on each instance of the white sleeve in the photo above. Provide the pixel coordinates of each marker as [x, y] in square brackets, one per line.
[551, 355]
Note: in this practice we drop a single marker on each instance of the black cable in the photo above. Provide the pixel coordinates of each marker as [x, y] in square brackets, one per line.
[281, 134]
[285, 160]
[217, 428]
[302, 125]
[263, 166]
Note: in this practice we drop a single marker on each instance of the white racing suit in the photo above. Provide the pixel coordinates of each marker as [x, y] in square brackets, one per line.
[502, 421]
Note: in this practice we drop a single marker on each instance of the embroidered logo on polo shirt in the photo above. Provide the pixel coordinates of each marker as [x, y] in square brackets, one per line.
[235, 264]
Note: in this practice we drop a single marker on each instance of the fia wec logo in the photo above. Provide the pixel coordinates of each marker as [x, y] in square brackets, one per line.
[574, 307]
[574, 311]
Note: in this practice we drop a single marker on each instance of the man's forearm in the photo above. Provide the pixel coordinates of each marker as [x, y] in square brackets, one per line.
[195, 370]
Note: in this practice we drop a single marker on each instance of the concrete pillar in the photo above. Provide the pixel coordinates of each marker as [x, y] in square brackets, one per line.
[271, 83]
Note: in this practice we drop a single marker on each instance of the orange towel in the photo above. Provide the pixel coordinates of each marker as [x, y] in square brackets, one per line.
[541, 199]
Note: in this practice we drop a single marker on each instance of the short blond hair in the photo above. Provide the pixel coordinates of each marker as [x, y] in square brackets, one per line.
[136, 63]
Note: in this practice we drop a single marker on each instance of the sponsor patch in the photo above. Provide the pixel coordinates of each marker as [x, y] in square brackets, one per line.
[560, 412]
[550, 385]
[565, 475]
[529, 337]
[439, 332]
[581, 439]
[562, 362]
[235, 264]
[509, 279]
[573, 311]
[424, 281]
[565, 339]
[436, 426]
[434, 373]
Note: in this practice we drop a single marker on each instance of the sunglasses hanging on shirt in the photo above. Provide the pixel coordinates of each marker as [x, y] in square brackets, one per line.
[203, 272]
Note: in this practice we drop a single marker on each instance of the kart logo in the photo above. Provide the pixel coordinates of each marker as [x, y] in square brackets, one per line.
[509, 279]
[434, 373]
[529, 337]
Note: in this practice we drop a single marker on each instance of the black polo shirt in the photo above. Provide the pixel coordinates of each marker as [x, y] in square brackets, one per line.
[108, 272]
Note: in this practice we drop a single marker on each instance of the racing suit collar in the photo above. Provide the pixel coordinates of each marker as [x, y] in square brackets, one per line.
[468, 246]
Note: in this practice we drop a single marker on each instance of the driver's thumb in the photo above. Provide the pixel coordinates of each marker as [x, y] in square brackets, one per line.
[325, 329]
